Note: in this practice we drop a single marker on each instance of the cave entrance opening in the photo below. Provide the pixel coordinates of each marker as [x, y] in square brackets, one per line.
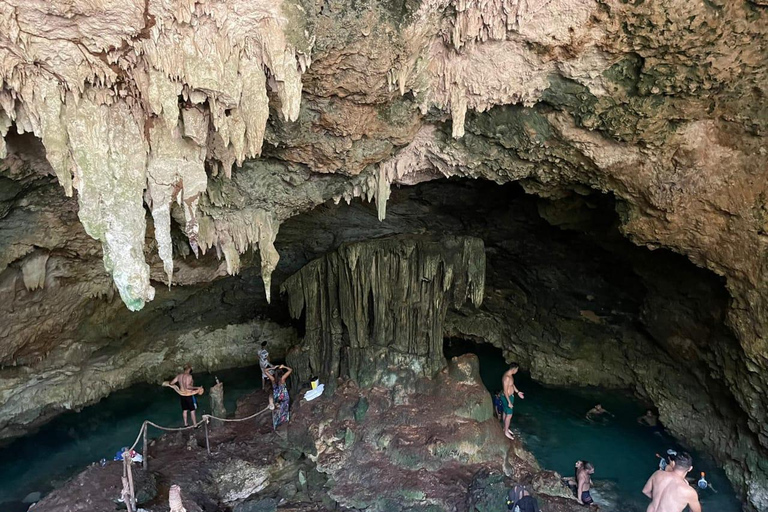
[552, 425]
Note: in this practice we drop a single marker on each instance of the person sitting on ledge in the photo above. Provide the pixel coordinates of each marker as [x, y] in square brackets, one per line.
[572, 482]
[597, 411]
[282, 402]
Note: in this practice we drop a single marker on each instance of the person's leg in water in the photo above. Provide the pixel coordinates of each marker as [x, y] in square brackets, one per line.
[184, 415]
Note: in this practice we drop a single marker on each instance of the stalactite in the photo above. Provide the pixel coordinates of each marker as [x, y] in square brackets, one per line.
[381, 303]
[215, 55]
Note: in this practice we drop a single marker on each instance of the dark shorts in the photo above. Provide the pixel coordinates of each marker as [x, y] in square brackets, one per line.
[507, 407]
[587, 498]
[188, 403]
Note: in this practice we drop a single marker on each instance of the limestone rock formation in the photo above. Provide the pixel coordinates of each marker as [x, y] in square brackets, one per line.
[193, 130]
[114, 91]
[376, 305]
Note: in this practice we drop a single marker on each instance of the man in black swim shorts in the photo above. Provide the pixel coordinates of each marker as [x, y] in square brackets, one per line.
[584, 481]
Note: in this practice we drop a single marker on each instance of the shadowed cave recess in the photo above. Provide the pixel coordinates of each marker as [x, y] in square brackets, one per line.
[581, 185]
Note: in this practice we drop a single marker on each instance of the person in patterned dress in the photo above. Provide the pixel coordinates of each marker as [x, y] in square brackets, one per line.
[281, 413]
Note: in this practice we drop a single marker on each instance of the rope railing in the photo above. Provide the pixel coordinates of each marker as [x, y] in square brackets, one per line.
[128, 493]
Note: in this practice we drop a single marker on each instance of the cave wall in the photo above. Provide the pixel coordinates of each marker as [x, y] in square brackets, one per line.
[140, 109]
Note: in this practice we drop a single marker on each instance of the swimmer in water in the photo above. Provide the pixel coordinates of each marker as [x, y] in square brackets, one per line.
[703, 484]
[597, 411]
[649, 419]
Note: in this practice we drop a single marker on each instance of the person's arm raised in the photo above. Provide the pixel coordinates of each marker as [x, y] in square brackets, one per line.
[286, 374]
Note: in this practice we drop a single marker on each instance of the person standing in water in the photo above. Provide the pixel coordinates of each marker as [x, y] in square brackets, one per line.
[186, 383]
[282, 401]
[669, 491]
[584, 482]
[508, 398]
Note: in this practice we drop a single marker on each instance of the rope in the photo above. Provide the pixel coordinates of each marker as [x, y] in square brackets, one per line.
[173, 429]
[138, 437]
[206, 417]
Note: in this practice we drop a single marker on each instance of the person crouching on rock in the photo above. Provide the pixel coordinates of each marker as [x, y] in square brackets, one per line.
[584, 481]
[188, 402]
[282, 401]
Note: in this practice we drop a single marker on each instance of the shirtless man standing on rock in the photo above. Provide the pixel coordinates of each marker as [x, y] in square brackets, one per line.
[188, 403]
[669, 490]
[508, 397]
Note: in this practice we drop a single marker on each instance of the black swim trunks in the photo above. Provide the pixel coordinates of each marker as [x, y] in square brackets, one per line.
[586, 498]
[188, 403]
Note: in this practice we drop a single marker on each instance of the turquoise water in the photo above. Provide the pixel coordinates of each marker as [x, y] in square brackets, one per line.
[553, 427]
[63, 447]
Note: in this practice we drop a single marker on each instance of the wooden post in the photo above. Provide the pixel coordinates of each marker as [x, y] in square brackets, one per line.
[145, 463]
[130, 484]
[207, 442]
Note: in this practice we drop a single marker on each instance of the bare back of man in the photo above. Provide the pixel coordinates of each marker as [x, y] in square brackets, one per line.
[185, 381]
[670, 492]
[188, 403]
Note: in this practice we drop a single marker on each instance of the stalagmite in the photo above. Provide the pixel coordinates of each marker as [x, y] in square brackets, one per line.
[174, 499]
[217, 402]
[382, 303]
